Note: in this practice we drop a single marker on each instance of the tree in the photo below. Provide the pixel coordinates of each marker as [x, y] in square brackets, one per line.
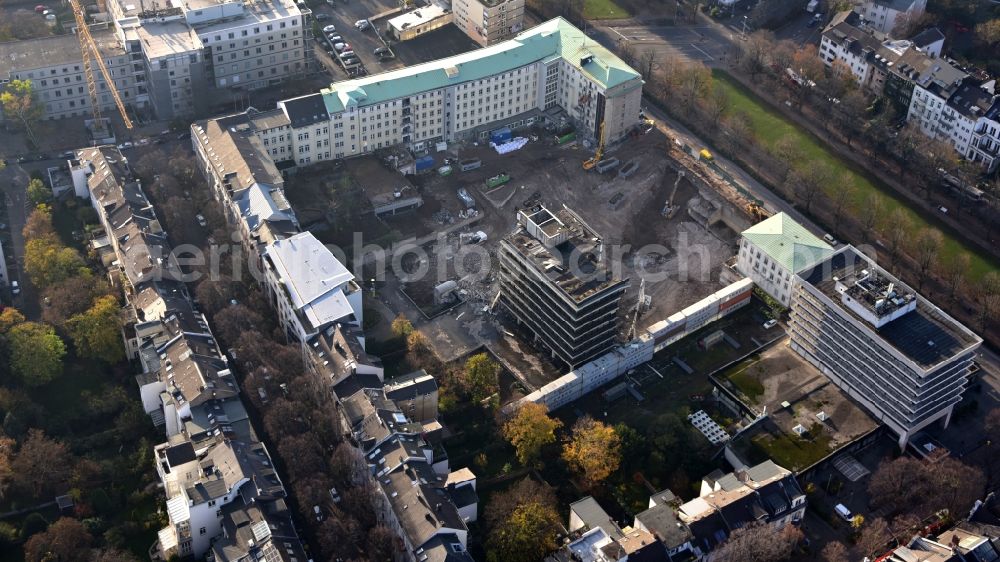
[42, 464]
[7, 446]
[759, 542]
[928, 246]
[529, 431]
[910, 485]
[481, 376]
[807, 181]
[956, 274]
[402, 327]
[717, 104]
[48, 262]
[694, 81]
[70, 297]
[647, 60]
[19, 100]
[870, 212]
[96, 333]
[38, 193]
[113, 555]
[66, 540]
[527, 490]
[39, 224]
[788, 151]
[593, 452]
[989, 31]
[755, 53]
[36, 353]
[526, 536]
[233, 320]
[873, 537]
[989, 298]
[842, 196]
[834, 551]
[381, 543]
[897, 226]
[9, 318]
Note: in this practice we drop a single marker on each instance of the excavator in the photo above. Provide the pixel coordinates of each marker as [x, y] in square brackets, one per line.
[591, 162]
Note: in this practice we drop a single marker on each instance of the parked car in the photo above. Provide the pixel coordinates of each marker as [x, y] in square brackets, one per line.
[335, 39]
[381, 51]
[318, 512]
[40, 8]
[770, 324]
[348, 54]
[362, 24]
[322, 17]
[843, 512]
[339, 46]
[830, 239]
[329, 29]
[15, 288]
[201, 220]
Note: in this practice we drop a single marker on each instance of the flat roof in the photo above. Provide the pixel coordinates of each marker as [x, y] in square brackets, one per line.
[168, 38]
[912, 333]
[554, 38]
[419, 16]
[43, 52]
[574, 265]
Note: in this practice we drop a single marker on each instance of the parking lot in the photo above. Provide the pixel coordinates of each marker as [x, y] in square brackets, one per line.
[443, 42]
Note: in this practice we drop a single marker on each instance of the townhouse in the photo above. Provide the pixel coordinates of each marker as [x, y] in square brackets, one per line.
[946, 102]
[885, 15]
[215, 472]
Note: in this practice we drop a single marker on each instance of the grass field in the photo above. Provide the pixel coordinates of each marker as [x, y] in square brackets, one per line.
[603, 10]
[769, 126]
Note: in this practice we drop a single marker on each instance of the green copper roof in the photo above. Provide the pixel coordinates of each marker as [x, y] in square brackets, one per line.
[554, 38]
[787, 242]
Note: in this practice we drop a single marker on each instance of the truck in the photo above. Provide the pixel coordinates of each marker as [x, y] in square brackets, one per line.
[470, 164]
[497, 180]
[607, 164]
[423, 163]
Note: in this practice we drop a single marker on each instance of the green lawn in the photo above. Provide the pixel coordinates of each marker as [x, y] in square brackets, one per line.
[603, 10]
[792, 451]
[748, 385]
[769, 126]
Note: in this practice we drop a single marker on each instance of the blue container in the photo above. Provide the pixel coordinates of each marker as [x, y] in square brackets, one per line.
[501, 136]
[424, 163]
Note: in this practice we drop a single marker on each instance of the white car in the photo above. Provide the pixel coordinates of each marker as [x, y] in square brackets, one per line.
[340, 46]
[329, 29]
[15, 288]
[362, 24]
[201, 220]
[770, 324]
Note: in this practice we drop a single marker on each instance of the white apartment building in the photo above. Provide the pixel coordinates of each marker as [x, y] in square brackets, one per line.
[466, 96]
[774, 250]
[55, 68]
[488, 22]
[885, 14]
[985, 144]
[309, 287]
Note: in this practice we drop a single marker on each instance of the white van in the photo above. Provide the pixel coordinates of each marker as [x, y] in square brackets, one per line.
[843, 512]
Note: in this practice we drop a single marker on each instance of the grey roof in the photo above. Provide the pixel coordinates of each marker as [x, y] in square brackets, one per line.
[258, 529]
[410, 385]
[765, 470]
[463, 495]
[445, 547]
[43, 52]
[180, 453]
[593, 515]
[662, 521]
[927, 37]
[354, 383]
[305, 110]
[908, 334]
[419, 500]
[972, 101]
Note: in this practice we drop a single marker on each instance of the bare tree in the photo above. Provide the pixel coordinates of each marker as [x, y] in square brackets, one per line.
[717, 104]
[989, 298]
[842, 196]
[787, 151]
[956, 274]
[873, 537]
[834, 552]
[755, 52]
[897, 226]
[928, 246]
[759, 542]
[870, 213]
[647, 60]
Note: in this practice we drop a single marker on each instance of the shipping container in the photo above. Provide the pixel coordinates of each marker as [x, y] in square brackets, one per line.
[571, 136]
[424, 163]
[501, 136]
[470, 164]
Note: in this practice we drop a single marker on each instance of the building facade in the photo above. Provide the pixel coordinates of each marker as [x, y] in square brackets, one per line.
[902, 358]
[774, 250]
[554, 282]
[884, 15]
[489, 22]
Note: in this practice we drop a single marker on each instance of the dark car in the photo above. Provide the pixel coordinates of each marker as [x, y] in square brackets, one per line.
[322, 17]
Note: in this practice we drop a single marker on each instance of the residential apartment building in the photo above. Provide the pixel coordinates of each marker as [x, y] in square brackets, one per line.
[550, 69]
[165, 59]
[884, 15]
[902, 358]
[943, 100]
[774, 250]
[596, 536]
[489, 22]
[555, 283]
[967, 541]
[767, 493]
[55, 68]
[218, 478]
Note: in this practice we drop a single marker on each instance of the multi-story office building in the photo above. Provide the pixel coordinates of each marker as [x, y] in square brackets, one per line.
[551, 67]
[55, 67]
[904, 359]
[553, 280]
[488, 22]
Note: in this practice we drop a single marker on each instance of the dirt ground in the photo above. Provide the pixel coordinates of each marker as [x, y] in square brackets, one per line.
[679, 257]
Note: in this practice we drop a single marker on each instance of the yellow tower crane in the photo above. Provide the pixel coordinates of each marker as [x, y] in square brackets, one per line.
[90, 52]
